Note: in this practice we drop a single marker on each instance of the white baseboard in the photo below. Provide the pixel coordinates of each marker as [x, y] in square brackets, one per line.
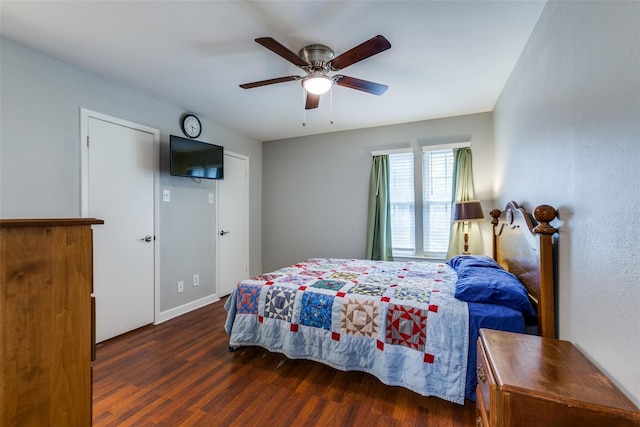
[163, 316]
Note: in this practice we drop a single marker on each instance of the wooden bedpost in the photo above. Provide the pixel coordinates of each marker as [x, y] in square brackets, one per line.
[495, 214]
[544, 214]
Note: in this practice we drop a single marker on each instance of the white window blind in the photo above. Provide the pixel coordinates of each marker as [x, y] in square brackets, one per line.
[425, 233]
[402, 198]
[437, 180]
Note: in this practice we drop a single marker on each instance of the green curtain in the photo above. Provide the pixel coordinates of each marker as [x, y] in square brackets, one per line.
[379, 219]
[462, 190]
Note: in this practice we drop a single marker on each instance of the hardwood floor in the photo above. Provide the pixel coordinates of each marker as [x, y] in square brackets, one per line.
[181, 373]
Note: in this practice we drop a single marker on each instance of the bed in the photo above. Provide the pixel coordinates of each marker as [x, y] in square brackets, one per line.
[410, 324]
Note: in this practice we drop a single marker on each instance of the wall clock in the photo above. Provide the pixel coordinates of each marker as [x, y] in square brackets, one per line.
[191, 126]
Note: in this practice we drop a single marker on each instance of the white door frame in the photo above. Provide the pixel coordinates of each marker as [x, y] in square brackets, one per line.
[246, 159]
[85, 114]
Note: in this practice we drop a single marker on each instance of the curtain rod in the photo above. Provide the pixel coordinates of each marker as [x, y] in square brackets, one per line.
[449, 146]
[393, 151]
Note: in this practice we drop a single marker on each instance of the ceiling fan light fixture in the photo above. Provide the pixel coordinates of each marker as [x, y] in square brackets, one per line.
[317, 83]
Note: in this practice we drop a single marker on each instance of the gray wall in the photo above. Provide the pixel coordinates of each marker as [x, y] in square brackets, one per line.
[315, 188]
[40, 106]
[567, 129]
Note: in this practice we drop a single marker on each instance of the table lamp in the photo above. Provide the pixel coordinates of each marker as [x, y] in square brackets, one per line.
[465, 212]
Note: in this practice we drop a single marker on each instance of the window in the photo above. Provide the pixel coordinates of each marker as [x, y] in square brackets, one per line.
[402, 198]
[421, 203]
[437, 181]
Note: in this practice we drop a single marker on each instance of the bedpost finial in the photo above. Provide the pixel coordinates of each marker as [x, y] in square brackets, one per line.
[544, 214]
[495, 214]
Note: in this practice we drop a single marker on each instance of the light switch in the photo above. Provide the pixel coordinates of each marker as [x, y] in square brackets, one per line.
[211, 198]
[166, 195]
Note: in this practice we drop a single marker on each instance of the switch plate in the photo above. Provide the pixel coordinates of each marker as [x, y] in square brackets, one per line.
[211, 198]
[180, 286]
[166, 195]
[196, 280]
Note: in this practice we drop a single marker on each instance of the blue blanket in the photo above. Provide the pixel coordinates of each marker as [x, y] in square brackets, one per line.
[397, 321]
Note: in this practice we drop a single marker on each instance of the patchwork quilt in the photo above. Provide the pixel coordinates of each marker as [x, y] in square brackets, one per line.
[398, 321]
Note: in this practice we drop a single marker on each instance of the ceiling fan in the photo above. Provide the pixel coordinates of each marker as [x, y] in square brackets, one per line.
[317, 61]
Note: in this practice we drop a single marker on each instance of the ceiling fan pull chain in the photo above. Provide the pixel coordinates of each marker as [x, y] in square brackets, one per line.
[304, 109]
[331, 104]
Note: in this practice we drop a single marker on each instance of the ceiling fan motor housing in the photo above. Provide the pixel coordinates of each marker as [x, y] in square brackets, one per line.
[317, 55]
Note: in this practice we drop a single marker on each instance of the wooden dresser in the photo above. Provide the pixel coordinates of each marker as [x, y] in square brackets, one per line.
[526, 380]
[46, 322]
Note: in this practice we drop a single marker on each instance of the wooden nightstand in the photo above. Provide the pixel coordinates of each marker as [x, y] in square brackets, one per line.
[526, 380]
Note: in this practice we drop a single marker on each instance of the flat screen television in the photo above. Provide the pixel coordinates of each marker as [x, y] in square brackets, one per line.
[195, 159]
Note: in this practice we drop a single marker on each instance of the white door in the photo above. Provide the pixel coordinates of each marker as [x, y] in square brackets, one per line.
[233, 223]
[120, 190]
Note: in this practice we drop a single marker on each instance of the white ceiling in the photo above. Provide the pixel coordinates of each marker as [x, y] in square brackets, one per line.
[447, 58]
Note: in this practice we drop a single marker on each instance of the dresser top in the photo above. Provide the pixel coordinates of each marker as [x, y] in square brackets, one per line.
[47, 222]
[551, 369]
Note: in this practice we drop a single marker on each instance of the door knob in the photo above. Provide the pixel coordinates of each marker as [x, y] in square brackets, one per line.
[146, 238]
[222, 232]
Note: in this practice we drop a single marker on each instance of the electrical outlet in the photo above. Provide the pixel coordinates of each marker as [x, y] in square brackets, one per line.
[180, 286]
[196, 279]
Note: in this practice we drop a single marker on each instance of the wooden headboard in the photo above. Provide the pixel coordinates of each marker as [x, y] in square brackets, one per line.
[526, 250]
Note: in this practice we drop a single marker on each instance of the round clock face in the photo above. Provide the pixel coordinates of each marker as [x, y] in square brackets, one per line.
[191, 126]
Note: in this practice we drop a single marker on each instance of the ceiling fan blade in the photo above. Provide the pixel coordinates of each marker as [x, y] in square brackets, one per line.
[269, 82]
[312, 101]
[364, 50]
[358, 84]
[279, 49]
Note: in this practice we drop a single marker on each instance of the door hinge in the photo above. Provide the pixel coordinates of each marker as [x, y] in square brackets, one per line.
[87, 142]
